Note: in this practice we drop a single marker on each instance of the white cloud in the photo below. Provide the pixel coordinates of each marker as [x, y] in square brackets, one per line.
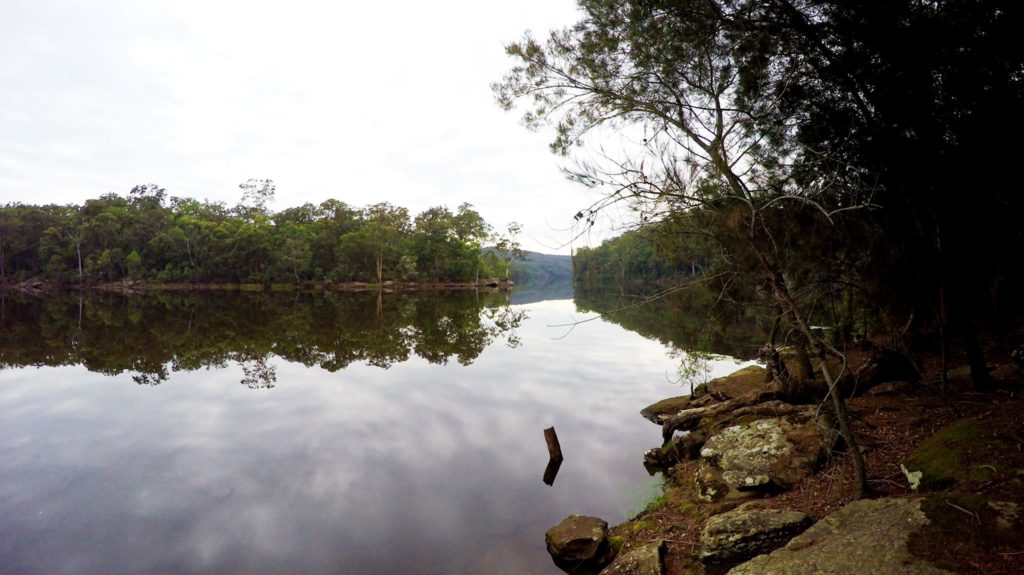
[364, 102]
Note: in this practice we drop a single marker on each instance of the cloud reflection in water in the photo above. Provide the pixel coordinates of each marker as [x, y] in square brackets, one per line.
[419, 468]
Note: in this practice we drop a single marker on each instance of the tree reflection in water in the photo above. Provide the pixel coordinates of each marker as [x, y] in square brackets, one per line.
[151, 335]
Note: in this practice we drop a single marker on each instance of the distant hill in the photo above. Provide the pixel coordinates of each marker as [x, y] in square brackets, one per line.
[539, 268]
[547, 271]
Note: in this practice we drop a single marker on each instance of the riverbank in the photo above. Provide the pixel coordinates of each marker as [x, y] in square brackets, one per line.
[751, 475]
[36, 286]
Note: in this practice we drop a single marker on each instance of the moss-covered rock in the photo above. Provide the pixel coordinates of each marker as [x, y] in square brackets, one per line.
[747, 381]
[964, 450]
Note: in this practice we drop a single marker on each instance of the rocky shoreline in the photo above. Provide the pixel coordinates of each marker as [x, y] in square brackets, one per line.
[758, 481]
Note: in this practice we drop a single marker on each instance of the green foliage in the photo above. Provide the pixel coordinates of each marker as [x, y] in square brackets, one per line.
[658, 253]
[145, 236]
[133, 263]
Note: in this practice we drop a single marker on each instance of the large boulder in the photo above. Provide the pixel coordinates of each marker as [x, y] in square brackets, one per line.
[882, 365]
[748, 531]
[965, 450]
[643, 560]
[769, 454]
[709, 485]
[579, 544]
[868, 536]
[750, 380]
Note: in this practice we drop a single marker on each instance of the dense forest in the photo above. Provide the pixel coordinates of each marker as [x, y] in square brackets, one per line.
[655, 254]
[147, 235]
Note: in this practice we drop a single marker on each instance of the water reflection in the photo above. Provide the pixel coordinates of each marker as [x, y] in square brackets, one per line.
[427, 467]
[551, 471]
[113, 334]
[690, 319]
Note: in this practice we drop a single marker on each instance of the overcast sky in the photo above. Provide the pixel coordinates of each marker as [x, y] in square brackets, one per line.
[363, 102]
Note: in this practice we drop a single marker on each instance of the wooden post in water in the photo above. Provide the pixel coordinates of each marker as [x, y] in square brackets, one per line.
[551, 471]
[554, 449]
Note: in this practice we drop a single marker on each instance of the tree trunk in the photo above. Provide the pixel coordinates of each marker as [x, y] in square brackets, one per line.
[780, 290]
[78, 248]
[188, 248]
[943, 341]
[976, 358]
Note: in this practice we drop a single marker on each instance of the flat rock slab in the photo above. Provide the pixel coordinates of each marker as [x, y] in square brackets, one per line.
[867, 536]
[645, 560]
[660, 411]
[746, 532]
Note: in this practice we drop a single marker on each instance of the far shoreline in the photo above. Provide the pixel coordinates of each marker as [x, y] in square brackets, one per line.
[40, 287]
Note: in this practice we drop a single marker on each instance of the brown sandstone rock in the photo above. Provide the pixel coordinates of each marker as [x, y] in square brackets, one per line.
[867, 536]
[769, 453]
[645, 560]
[747, 532]
[579, 544]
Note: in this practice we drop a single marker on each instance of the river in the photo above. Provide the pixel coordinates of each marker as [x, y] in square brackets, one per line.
[284, 433]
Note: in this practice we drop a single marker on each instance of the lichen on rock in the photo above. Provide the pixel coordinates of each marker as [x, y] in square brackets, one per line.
[642, 560]
[748, 531]
[867, 536]
[768, 453]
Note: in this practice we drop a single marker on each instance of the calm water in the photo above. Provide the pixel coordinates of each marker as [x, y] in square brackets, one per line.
[299, 434]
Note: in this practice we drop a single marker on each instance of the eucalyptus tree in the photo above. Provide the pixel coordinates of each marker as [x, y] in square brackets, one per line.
[668, 80]
[256, 197]
[508, 247]
[376, 242]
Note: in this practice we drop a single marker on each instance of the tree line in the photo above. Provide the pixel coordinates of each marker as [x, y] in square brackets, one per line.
[655, 254]
[146, 235]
